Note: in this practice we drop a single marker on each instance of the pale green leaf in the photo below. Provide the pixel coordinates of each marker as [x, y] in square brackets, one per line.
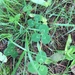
[57, 57]
[42, 2]
[3, 58]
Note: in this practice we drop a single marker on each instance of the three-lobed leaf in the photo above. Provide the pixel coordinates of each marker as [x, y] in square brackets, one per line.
[43, 70]
[41, 57]
[35, 37]
[31, 23]
[10, 50]
[31, 69]
[45, 38]
[44, 29]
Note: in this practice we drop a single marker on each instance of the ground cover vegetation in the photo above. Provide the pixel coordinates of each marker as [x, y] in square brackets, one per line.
[37, 37]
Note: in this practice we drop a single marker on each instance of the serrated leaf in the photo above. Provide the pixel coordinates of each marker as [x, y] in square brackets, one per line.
[10, 50]
[3, 58]
[44, 29]
[35, 37]
[31, 23]
[43, 70]
[45, 38]
[41, 57]
[31, 69]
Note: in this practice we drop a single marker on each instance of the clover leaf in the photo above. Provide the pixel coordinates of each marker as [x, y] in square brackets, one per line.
[44, 29]
[27, 8]
[41, 57]
[45, 38]
[31, 68]
[35, 37]
[10, 50]
[37, 17]
[43, 70]
[31, 23]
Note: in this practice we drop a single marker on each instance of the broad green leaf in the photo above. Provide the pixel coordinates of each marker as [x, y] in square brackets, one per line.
[41, 57]
[70, 53]
[31, 23]
[35, 37]
[43, 70]
[71, 50]
[3, 58]
[10, 50]
[31, 69]
[57, 57]
[45, 38]
[42, 2]
[44, 29]
[68, 57]
[73, 63]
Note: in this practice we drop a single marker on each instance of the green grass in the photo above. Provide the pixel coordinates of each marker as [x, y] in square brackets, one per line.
[33, 27]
